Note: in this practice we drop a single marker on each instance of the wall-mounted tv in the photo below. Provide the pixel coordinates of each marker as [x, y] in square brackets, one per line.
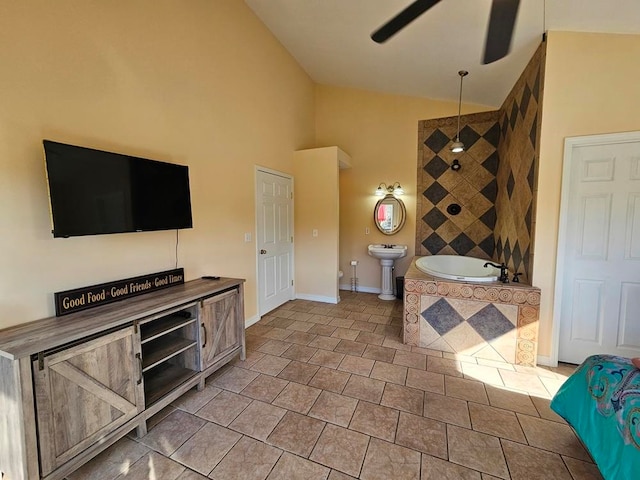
[92, 192]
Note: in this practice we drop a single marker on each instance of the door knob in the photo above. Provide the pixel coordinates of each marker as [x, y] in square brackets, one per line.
[263, 251]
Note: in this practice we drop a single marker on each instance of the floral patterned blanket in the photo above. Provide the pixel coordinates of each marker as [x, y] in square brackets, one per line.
[601, 401]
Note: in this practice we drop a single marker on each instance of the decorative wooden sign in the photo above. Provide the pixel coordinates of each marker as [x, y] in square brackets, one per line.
[78, 299]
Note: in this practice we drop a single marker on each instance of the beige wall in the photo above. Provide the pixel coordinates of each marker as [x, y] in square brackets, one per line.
[316, 207]
[380, 133]
[200, 83]
[591, 87]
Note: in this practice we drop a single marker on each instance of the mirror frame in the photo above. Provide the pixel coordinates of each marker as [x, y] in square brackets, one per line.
[403, 213]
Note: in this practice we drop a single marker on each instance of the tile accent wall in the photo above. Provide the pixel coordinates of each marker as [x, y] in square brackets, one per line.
[519, 151]
[497, 184]
[473, 187]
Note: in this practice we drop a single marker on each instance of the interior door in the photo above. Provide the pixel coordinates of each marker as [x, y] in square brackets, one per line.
[274, 239]
[600, 301]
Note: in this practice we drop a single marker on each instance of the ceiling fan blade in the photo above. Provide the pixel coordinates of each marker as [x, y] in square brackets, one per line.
[501, 23]
[401, 20]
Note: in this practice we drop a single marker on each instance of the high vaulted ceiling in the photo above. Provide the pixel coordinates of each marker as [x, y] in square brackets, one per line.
[331, 40]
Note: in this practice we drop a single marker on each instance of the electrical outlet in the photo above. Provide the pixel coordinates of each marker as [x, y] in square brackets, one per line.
[247, 237]
[366, 230]
[314, 232]
[354, 263]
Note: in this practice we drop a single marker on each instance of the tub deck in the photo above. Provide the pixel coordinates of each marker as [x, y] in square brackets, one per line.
[490, 320]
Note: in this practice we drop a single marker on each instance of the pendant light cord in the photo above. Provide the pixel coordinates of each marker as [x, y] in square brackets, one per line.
[462, 74]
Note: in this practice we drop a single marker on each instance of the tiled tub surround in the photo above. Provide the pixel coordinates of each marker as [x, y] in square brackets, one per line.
[490, 321]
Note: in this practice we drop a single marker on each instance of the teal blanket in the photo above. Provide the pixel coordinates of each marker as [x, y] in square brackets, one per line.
[601, 401]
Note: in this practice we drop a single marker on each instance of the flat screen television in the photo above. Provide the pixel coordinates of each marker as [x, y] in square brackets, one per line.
[92, 192]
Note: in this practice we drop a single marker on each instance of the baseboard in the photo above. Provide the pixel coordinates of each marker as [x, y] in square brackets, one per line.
[360, 289]
[546, 361]
[317, 298]
[250, 321]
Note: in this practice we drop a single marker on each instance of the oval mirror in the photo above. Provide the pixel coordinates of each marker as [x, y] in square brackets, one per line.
[389, 214]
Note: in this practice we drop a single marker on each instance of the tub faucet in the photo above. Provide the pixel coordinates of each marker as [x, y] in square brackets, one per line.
[504, 272]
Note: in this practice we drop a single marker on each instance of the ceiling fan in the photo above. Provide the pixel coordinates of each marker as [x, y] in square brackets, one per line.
[501, 22]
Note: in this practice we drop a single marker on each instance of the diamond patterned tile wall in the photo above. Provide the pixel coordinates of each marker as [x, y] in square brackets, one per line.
[497, 184]
[519, 151]
[473, 187]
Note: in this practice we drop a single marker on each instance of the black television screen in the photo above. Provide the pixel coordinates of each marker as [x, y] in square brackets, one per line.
[94, 192]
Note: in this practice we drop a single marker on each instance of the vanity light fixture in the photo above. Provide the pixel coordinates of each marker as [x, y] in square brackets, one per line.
[458, 146]
[394, 189]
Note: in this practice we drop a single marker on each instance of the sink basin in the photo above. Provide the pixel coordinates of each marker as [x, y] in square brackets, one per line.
[385, 252]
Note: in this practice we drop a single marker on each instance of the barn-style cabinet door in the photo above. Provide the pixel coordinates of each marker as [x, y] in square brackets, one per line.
[84, 392]
[223, 327]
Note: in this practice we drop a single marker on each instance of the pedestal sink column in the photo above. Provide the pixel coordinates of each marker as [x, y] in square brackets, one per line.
[387, 254]
[387, 280]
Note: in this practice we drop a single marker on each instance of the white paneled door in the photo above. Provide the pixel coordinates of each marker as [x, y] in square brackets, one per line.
[600, 249]
[274, 239]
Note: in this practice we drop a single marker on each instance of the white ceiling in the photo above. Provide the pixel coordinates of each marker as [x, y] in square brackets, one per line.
[331, 40]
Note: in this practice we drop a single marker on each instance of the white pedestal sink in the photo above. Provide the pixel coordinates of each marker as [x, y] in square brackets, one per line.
[387, 254]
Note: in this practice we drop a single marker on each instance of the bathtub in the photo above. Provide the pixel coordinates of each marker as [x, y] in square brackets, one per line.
[456, 267]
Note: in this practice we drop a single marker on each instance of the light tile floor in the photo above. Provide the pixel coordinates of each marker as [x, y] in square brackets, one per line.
[330, 392]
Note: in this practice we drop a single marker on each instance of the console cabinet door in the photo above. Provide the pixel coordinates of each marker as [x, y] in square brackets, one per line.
[220, 320]
[84, 393]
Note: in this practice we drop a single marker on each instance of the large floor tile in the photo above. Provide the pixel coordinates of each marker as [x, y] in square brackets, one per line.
[249, 459]
[356, 365]
[329, 379]
[206, 448]
[470, 390]
[270, 365]
[296, 433]
[298, 372]
[297, 397]
[496, 422]
[376, 352]
[334, 408]
[446, 409]
[326, 358]
[529, 463]
[445, 366]
[194, 399]
[341, 449]
[403, 398]
[265, 388]
[274, 347]
[299, 353]
[224, 408]
[172, 432]
[410, 359]
[153, 465]
[552, 436]
[235, 379]
[258, 420]
[582, 470]
[291, 467]
[375, 420]
[477, 451]
[516, 401]
[364, 388]
[349, 347]
[388, 372]
[426, 381]
[436, 469]
[115, 460]
[386, 461]
[422, 434]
